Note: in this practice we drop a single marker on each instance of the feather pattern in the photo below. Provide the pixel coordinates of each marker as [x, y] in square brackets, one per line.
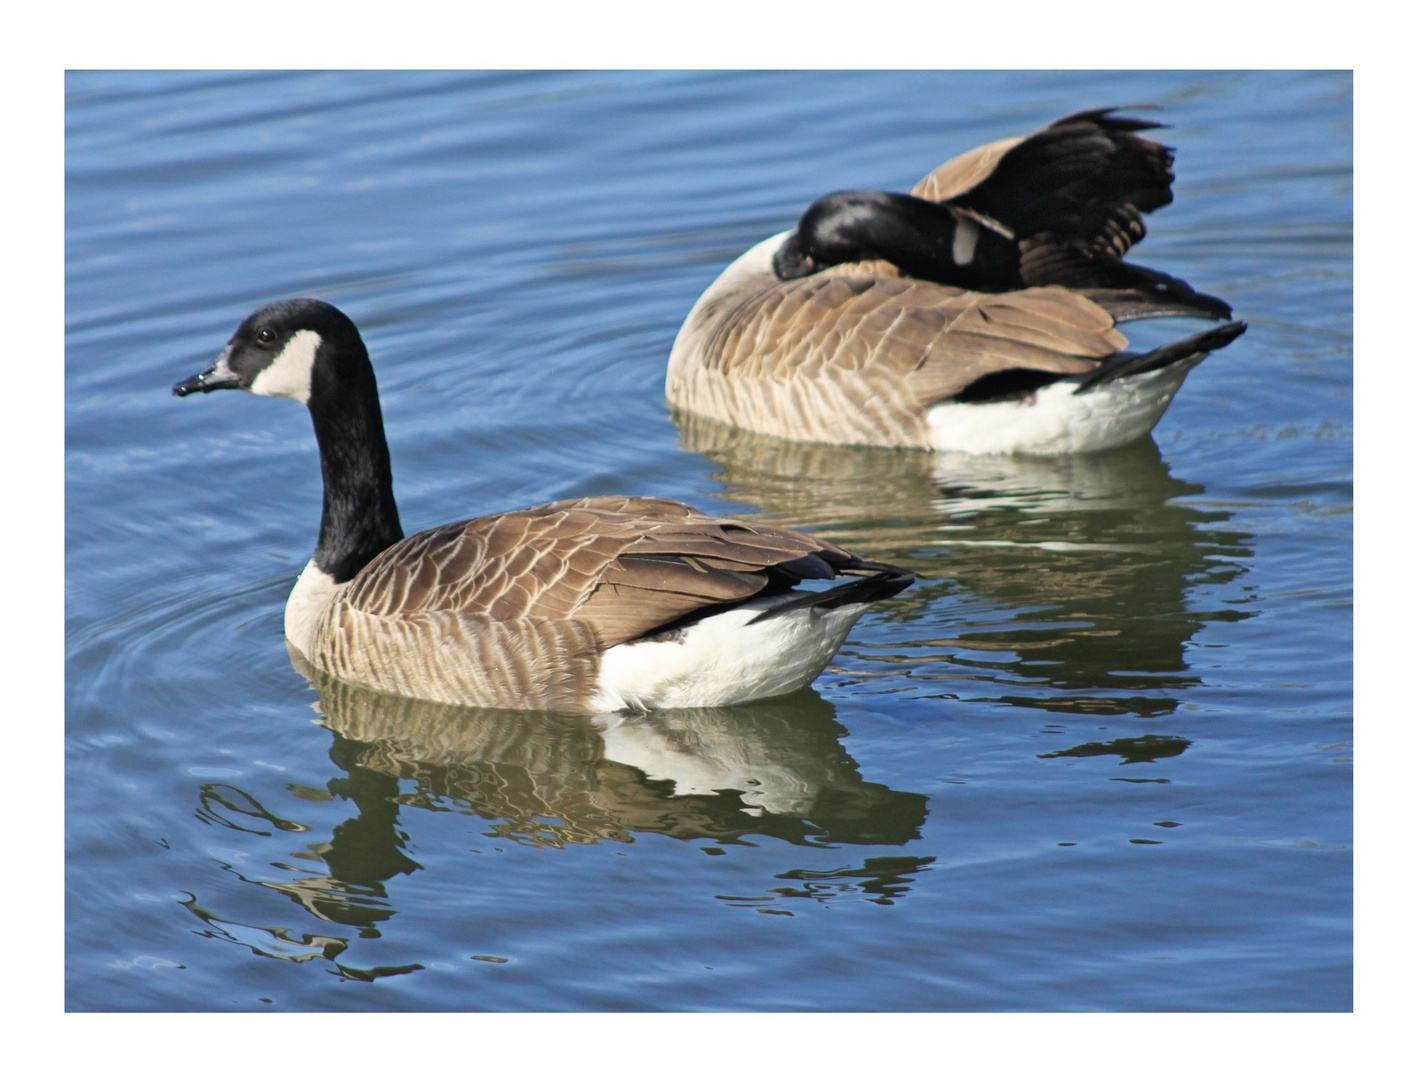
[519, 607]
[1085, 179]
[840, 359]
[859, 353]
[584, 605]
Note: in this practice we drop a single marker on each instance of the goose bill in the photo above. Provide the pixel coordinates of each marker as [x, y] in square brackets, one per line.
[216, 377]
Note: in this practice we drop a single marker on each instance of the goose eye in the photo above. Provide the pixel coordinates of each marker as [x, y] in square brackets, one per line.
[265, 335]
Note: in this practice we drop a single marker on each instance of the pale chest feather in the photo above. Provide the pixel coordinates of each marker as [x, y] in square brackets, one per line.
[313, 593]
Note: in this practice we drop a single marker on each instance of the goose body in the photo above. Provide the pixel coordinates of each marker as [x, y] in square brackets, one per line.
[585, 605]
[978, 314]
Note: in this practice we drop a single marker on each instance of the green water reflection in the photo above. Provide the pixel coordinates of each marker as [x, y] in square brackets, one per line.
[549, 781]
[1075, 584]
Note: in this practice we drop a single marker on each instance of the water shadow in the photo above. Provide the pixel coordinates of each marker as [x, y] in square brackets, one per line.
[548, 781]
[775, 768]
[1074, 584]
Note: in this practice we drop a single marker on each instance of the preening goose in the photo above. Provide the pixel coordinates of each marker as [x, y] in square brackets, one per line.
[977, 314]
[584, 605]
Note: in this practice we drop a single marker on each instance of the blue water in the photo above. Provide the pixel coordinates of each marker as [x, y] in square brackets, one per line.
[1098, 758]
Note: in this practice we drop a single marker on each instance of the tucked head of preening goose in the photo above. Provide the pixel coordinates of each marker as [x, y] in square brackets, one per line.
[977, 313]
[584, 605]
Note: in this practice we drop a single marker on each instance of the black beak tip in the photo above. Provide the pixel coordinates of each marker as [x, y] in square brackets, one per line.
[205, 382]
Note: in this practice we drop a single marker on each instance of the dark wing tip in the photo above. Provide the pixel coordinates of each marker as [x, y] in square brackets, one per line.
[864, 591]
[1105, 118]
[811, 565]
[1125, 365]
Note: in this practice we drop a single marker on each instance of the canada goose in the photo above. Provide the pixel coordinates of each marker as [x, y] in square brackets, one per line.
[977, 314]
[584, 605]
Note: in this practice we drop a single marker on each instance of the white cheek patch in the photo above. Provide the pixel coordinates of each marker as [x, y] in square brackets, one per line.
[288, 375]
[967, 235]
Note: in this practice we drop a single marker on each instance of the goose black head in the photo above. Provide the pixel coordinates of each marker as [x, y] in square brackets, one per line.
[283, 350]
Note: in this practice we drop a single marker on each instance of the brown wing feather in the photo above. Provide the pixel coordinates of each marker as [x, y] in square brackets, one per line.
[835, 358]
[1083, 182]
[622, 566]
[964, 171]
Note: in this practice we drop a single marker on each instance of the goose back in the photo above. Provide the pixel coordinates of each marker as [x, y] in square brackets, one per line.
[860, 353]
[844, 359]
[518, 609]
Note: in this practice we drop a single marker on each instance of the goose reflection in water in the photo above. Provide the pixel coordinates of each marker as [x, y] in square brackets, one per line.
[1072, 579]
[544, 780]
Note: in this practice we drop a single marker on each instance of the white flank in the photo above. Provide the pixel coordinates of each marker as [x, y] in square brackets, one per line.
[967, 235]
[313, 591]
[725, 659]
[288, 375]
[1055, 420]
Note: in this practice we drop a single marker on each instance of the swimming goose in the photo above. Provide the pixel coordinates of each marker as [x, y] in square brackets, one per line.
[585, 605]
[977, 314]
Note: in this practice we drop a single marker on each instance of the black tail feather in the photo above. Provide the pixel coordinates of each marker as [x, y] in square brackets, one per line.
[1124, 365]
[879, 586]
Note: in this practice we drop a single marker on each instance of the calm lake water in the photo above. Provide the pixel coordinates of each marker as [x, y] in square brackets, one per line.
[1098, 758]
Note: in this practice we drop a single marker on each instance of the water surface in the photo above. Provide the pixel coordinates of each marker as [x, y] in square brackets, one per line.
[1097, 758]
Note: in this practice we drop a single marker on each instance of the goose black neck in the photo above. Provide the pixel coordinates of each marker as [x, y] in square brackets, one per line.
[924, 239]
[359, 518]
